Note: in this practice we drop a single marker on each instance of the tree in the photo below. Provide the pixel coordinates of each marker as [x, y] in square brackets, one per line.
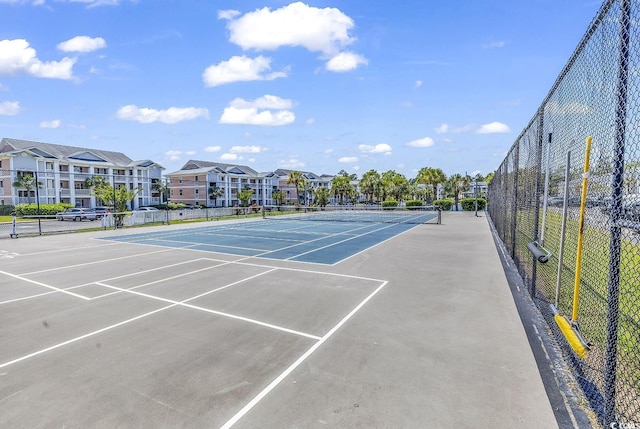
[27, 182]
[432, 177]
[351, 176]
[396, 185]
[296, 178]
[322, 196]
[245, 196]
[118, 198]
[215, 193]
[162, 188]
[341, 186]
[370, 184]
[455, 185]
[278, 197]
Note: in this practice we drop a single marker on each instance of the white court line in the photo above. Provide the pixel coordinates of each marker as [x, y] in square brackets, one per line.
[150, 270]
[26, 297]
[343, 241]
[218, 313]
[99, 261]
[82, 337]
[371, 247]
[233, 420]
[250, 237]
[44, 285]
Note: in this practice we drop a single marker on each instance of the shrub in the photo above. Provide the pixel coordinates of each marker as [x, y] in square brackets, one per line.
[45, 209]
[414, 203]
[389, 204]
[6, 210]
[444, 204]
[469, 204]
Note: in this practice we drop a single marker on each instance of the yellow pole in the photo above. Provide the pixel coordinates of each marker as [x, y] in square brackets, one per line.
[583, 203]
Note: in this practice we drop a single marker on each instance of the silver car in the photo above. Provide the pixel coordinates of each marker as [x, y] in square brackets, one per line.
[78, 214]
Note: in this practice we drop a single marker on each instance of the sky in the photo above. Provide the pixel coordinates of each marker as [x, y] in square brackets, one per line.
[318, 86]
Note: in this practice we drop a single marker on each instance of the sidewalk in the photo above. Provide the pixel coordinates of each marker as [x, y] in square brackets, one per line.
[441, 346]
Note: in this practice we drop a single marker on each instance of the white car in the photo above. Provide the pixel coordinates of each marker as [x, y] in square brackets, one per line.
[147, 209]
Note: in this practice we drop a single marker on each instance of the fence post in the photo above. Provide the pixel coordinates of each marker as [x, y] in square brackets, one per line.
[538, 171]
[613, 288]
[514, 229]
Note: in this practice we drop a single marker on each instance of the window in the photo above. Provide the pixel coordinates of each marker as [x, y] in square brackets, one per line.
[180, 193]
[197, 191]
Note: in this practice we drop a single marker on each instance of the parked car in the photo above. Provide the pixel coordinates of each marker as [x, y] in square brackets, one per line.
[101, 211]
[147, 209]
[631, 207]
[78, 214]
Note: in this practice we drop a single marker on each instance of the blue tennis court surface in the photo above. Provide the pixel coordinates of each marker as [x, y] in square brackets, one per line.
[292, 240]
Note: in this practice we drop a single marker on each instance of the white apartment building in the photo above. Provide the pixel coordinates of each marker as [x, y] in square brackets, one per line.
[61, 172]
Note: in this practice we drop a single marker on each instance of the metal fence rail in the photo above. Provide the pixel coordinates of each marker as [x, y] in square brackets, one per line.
[538, 188]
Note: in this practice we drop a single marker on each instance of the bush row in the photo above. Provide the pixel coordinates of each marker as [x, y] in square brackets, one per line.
[45, 209]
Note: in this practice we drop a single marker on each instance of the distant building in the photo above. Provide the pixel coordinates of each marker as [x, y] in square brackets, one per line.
[61, 172]
[213, 184]
[313, 180]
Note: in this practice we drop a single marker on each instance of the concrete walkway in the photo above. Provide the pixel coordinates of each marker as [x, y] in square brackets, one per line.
[441, 346]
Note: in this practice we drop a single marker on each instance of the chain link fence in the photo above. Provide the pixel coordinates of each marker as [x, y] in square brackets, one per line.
[536, 198]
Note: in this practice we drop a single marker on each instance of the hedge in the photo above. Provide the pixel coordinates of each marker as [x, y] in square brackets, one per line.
[45, 209]
[445, 204]
[414, 203]
[389, 203]
[469, 204]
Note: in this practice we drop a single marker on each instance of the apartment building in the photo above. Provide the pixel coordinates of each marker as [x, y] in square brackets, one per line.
[313, 182]
[214, 184]
[61, 173]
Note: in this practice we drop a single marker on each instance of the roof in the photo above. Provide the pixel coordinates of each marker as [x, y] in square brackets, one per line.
[197, 167]
[72, 153]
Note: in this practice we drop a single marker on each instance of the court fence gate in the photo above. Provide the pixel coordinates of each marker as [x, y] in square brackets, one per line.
[536, 198]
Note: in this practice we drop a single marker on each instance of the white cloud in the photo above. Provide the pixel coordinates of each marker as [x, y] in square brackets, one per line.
[495, 44]
[379, 148]
[9, 108]
[173, 155]
[246, 149]
[442, 129]
[257, 112]
[290, 163]
[212, 149]
[240, 69]
[556, 108]
[493, 128]
[345, 61]
[16, 56]
[348, 159]
[423, 142]
[171, 115]
[297, 25]
[229, 157]
[50, 124]
[418, 84]
[82, 44]
[310, 121]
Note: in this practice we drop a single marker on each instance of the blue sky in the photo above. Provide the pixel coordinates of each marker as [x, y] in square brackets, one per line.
[317, 86]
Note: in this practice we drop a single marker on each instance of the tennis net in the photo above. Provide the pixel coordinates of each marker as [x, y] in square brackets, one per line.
[411, 215]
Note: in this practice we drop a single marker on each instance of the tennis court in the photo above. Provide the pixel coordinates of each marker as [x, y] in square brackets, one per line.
[316, 238]
[266, 323]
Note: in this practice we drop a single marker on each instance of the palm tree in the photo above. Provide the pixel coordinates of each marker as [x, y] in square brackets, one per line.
[322, 196]
[245, 196]
[341, 187]
[455, 185]
[215, 193]
[429, 176]
[28, 182]
[370, 184]
[161, 187]
[296, 178]
[278, 197]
